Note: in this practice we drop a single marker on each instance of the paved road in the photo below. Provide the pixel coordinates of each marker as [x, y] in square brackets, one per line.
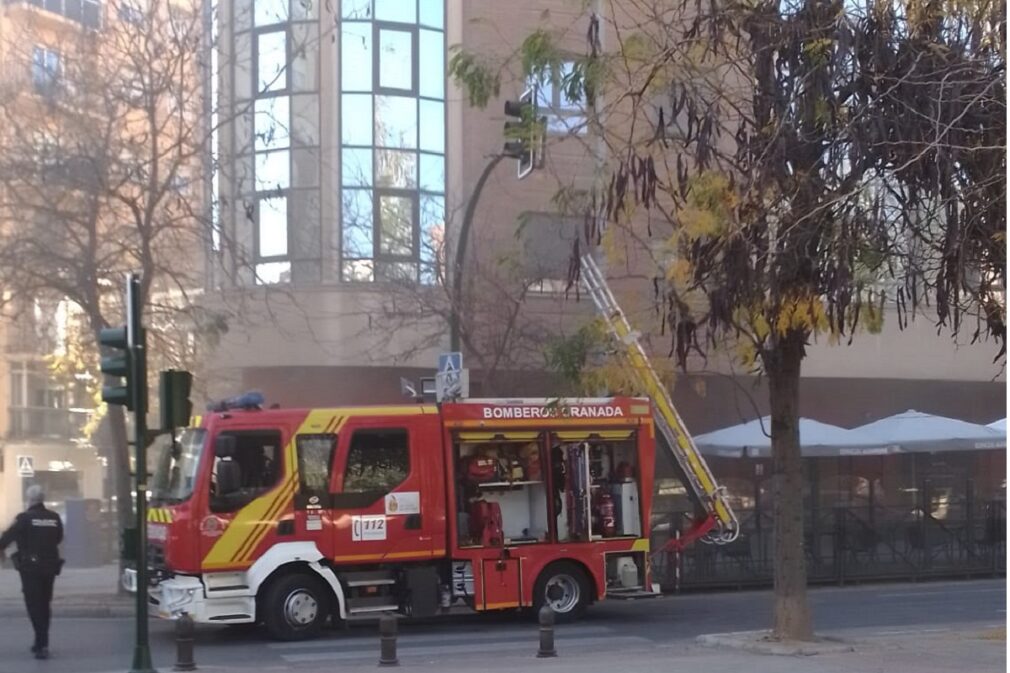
[94, 645]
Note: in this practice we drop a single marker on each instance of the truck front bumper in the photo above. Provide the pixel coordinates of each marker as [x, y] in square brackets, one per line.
[172, 597]
[185, 594]
[179, 595]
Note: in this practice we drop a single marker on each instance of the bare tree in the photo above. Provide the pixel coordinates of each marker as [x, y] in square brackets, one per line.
[801, 162]
[103, 155]
[505, 315]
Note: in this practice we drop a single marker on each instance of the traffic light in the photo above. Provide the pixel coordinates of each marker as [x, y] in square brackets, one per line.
[117, 363]
[123, 355]
[174, 389]
[524, 137]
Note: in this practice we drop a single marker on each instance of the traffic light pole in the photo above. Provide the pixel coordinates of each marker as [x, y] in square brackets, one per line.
[137, 339]
[461, 241]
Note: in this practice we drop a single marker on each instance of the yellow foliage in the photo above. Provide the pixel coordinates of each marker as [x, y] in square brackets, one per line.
[760, 326]
[710, 206]
[818, 50]
[710, 191]
[679, 272]
[699, 223]
[806, 314]
[746, 353]
[639, 48]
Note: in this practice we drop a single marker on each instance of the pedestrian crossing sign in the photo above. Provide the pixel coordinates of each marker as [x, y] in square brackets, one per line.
[451, 381]
[26, 466]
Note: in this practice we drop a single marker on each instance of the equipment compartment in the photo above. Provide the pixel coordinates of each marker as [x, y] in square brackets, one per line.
[501, 492]
[595, 485]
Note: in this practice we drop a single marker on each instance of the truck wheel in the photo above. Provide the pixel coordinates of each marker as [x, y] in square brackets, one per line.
[565, 588]
[295, 607]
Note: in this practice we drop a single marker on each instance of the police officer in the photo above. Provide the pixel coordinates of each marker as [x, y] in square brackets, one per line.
[38, 533]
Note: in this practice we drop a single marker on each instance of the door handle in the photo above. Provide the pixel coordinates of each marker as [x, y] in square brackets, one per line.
[412, 522]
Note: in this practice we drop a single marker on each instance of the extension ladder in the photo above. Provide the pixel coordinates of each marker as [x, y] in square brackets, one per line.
[721, 525]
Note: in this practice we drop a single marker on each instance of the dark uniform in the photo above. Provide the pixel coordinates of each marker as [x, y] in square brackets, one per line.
[37, 532]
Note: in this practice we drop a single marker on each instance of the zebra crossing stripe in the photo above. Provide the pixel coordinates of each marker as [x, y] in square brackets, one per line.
[407, 639]
[510, 645]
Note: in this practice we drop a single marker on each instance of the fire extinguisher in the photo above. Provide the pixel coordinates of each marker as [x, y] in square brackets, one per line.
[605, 509]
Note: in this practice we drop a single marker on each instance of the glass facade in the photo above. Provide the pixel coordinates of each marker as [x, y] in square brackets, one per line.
[392, 133]
[388, 91]
[277, 165]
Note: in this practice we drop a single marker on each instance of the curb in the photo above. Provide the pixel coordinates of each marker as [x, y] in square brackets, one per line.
[754, 641]
[64, 608]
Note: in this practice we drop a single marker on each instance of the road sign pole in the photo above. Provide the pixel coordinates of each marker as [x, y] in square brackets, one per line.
[137, 344]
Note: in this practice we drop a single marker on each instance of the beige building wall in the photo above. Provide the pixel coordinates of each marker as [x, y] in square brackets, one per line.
[307, 341]
[65, 472]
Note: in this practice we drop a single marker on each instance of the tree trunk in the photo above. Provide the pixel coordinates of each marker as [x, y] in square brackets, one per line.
[119, 463]
[792, 613]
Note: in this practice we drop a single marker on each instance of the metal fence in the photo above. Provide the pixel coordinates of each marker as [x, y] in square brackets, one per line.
[844, 544]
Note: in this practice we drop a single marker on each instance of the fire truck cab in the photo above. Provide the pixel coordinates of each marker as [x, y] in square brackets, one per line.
[288, 517]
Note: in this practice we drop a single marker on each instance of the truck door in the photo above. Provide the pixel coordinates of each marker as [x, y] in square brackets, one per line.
[378, 514]
[247, 487]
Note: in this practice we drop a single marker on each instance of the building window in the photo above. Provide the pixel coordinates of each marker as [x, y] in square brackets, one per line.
[284, 122]
[272, 229]
[131, 11]
[395, 59]
[272, 61]
[547, 241]
[565, 115]
[270, 12]
[392, 133]
[85, 12]
[47, 70]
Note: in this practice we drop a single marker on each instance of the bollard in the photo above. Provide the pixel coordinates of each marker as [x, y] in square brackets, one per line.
[546, 618]
[184, 644]
[387, 641]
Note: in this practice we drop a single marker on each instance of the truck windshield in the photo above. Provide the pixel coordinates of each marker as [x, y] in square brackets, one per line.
[175, 473]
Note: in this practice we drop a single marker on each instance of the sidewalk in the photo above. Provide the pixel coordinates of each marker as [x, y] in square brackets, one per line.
[79, 592]
[980, 650]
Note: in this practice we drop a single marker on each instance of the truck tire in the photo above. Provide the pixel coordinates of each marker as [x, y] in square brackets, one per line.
[295, 607]
[565, 588]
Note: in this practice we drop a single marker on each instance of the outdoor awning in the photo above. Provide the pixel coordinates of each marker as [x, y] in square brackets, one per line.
[915, 431]
[816, 439]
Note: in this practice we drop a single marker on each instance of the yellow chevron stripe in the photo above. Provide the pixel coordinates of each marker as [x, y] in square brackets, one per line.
[499, 606]
[245, 555]
[261, 529]
[244, 526]
[159, 515]
[384, 557]
[253, 522]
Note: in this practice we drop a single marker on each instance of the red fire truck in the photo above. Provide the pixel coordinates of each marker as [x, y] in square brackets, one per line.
[290, 517]
[287, 517]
